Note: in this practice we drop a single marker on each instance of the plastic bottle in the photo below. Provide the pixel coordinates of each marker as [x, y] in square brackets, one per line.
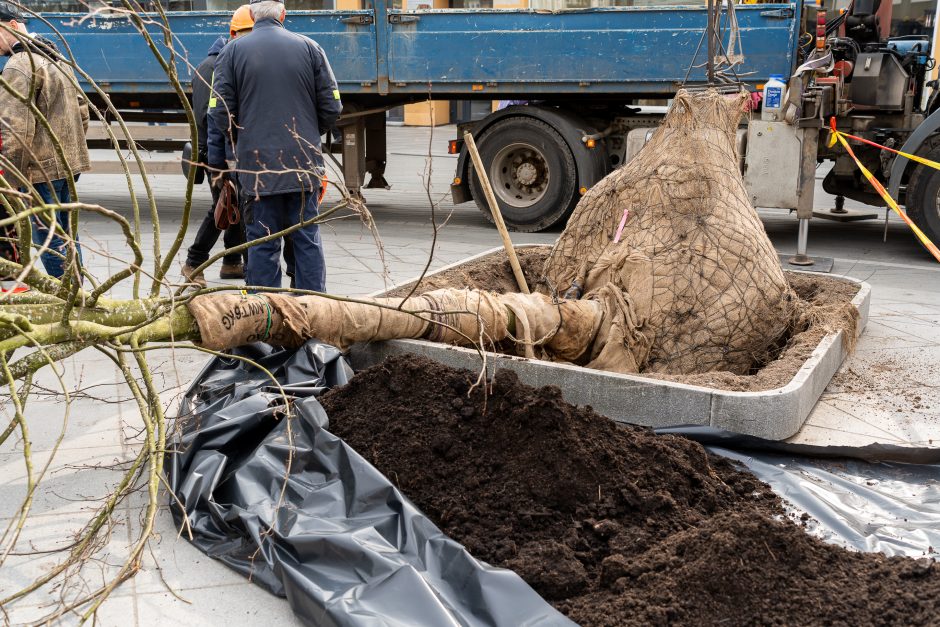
[773, 98]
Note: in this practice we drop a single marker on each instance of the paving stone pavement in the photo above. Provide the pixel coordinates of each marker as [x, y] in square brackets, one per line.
[887, 391]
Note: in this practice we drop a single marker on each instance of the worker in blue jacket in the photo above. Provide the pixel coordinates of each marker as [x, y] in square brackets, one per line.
[276, 95]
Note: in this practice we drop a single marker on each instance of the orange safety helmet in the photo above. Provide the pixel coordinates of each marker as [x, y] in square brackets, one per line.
[241, 20]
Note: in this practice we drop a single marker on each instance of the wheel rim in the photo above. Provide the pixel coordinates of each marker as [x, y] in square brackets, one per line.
[520, 175]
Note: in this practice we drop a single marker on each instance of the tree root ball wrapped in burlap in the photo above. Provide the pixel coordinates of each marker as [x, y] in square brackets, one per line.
[703, 288]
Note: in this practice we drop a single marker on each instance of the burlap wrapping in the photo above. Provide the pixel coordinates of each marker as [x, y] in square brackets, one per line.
[465, 317]
[703, 288]
[560, 330]
[619, 344]
[342, 323]
[229, 320]
[450, 316]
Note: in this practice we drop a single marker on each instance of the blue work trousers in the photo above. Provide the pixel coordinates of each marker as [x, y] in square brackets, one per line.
[54, 262]
[269, 214]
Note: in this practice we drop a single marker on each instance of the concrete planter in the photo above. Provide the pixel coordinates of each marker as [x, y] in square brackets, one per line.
[772, 414]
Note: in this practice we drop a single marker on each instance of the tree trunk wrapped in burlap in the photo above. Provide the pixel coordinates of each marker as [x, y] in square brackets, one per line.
[563, 330]
[702, 286]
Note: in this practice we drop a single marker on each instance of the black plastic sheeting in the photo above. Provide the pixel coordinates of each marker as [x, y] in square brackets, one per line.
[337, 538]
[889, 507]
[880, 451]
[346, 548]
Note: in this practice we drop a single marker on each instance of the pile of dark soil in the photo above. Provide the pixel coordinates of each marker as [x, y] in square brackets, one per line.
[611, 523]
[825, 305]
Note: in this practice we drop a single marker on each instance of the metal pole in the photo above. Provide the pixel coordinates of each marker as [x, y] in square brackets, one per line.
[802, 237]
[801, 258]
[710, 35]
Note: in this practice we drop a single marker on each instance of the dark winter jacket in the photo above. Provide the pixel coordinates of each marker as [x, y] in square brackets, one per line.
[202, 83]
[280, 92]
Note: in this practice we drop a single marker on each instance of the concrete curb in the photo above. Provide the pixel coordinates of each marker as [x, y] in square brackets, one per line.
[772, 414]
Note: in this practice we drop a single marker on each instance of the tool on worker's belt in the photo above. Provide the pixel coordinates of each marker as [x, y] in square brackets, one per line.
[836, 135]
[226, 209]
[497, 214]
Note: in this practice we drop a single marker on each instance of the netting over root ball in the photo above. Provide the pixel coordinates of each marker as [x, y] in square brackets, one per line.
[697, 279]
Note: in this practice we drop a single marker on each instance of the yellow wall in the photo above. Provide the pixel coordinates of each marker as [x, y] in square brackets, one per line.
[348, 5]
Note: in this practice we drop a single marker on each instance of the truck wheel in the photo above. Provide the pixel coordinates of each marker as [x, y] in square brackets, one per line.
[531, 170]
[923, 195]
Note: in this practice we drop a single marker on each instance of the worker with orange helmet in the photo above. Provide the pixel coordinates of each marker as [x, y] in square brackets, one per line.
[241, 21]
[208, 234]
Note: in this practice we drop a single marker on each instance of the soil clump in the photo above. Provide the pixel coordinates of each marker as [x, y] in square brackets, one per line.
[824, 304]
[611, 523]
[492, 273]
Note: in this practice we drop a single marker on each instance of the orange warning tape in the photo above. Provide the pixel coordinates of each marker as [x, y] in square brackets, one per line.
[839, 136]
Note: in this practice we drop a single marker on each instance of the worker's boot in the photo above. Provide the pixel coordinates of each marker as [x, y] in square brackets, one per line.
[232, 271]
[189, 273]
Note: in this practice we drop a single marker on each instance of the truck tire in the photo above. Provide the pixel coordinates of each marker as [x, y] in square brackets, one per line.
[922, 201]
[531, 170]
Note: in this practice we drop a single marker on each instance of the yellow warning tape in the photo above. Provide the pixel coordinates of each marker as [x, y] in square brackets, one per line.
[836, 135]
[927, 162]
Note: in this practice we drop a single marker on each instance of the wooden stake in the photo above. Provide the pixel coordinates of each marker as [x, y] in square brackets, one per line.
[497, 215]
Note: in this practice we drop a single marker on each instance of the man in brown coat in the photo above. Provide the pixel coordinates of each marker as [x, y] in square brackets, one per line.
[35, 68]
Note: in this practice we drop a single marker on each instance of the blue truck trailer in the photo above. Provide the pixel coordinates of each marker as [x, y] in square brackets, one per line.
[381, 53]
[577, 76]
